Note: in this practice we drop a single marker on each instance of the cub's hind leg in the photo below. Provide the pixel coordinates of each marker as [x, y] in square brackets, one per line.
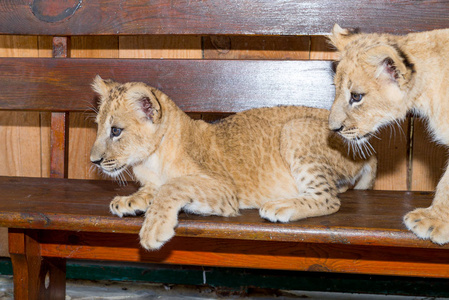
[317, 195]
[305, 150]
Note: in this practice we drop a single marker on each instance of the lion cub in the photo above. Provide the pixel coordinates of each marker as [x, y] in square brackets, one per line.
[381, 77]
[282, 160]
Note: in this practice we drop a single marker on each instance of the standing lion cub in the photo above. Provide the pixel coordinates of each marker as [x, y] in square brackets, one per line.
[381, 77]
[282, 160]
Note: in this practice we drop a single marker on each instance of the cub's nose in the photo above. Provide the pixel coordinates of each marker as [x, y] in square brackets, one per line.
[97, 162]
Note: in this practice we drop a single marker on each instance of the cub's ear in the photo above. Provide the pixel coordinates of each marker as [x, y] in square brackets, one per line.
[340, 37]
[147, 102]
[391, 64]
[101, 86]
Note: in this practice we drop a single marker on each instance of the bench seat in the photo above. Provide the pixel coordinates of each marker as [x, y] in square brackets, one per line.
[365, 217]
[71, 219]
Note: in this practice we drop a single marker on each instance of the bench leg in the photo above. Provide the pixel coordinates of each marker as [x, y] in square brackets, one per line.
[35, 277]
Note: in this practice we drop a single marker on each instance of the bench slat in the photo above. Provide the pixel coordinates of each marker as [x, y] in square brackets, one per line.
[46, 84]
[286, 17]
[249, 254]
[365, 218]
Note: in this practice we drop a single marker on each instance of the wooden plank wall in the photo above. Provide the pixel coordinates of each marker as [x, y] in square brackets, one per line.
[24, 136]
[407, 158]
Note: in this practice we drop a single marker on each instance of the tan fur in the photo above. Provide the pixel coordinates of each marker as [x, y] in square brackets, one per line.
[396, 74]
[282, 160]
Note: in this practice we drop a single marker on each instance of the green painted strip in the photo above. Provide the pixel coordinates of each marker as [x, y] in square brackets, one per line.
[240, 279]
[5, 266]
[329, 282]
[134, 272]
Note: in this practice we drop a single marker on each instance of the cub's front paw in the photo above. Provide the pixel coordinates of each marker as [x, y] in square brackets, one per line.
[428, 224]
[156, 230]
[128, 205]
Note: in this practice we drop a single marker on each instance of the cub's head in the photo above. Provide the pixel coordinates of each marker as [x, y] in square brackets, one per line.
[130, 125]
[371, 81]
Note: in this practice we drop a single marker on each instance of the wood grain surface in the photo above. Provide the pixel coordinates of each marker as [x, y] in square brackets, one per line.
[257, 47]
[82, 129]
[230, 85]
[235, 17]
[45, 49]
[392, 150]
[250, 254]
[23, 148]
[69, 219]
[59, 121]
[428, 159]
[365, 218]
[94, 47]
[59, 143]
[321, 49]
[160, 47]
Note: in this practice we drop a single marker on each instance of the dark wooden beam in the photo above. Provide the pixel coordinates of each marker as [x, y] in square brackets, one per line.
[59, 122]
[236, 17]
[293, 256]
[195, 85]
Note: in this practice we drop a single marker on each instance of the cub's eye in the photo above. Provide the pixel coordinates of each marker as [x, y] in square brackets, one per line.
[115, 131]
[356, 97]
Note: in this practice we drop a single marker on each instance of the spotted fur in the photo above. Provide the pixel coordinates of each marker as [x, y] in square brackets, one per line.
[282, 160]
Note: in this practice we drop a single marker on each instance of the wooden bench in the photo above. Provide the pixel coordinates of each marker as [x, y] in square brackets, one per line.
[53, 219]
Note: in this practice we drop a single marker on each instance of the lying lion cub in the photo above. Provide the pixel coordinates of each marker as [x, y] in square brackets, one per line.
[381, 77]
[282, 160]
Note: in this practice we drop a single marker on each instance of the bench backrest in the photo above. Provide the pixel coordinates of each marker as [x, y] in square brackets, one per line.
[221, 86]
[212, 17]
[62, 85]
[198, 85]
